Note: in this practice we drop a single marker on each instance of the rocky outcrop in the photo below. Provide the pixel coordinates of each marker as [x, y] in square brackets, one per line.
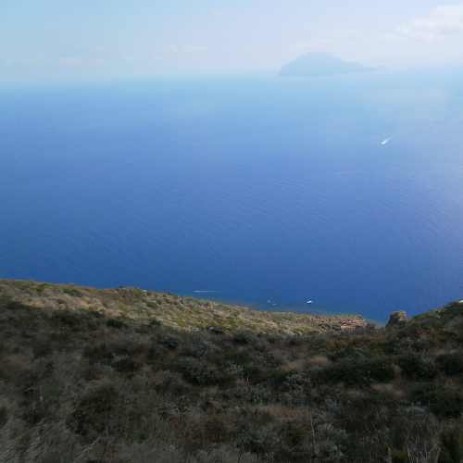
[397, 318]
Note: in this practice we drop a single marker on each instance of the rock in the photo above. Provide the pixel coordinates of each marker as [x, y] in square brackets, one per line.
[353, 324]
[397, 318]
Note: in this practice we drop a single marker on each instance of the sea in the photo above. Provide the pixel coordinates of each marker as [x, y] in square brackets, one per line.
[341, 194]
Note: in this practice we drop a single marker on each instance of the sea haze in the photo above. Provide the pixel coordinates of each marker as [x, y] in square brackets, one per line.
[264, 191]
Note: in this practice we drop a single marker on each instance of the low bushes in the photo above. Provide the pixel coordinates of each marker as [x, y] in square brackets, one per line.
[443, 400]
[450, 363]
[122, 390]
[357, 372]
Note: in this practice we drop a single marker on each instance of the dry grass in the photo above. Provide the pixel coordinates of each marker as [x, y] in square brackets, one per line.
[128, 376]
[172, 311]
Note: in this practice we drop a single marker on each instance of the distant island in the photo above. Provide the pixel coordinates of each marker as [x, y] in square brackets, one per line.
[320, 64]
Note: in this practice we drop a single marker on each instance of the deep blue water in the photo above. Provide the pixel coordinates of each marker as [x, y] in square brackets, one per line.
[257, 189]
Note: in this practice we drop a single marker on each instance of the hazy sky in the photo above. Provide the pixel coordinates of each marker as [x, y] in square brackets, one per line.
[92, 39]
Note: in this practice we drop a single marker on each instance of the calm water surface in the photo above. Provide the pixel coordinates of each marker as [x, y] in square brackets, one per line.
[258, 190]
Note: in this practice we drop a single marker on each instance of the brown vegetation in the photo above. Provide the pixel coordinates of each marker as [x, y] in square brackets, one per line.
[130, 376]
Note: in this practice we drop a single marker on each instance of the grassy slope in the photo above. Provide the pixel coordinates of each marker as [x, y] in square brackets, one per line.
[129, 376]
[136, 305]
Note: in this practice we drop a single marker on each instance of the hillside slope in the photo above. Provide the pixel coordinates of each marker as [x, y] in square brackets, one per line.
[185, 313]
[127, 376]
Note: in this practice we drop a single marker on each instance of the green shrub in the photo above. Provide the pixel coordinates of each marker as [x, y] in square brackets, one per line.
[126, 365]
[3, 416]
[68, 319]
[451, 364]
[116, 323]
[357, 372]
[452, 444]
[92, 414]
[295, 442]
[444, 401]
[201, 373]
[399, 456]
[100, 353]
[244, 338]
[415, 367]
[71, 291]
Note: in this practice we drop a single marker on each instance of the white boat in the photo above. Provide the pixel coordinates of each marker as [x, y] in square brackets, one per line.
[386, 141]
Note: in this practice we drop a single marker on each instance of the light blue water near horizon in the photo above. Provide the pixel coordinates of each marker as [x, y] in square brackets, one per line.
[264, 191]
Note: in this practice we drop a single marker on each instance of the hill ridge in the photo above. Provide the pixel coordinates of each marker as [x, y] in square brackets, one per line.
[174, 311]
